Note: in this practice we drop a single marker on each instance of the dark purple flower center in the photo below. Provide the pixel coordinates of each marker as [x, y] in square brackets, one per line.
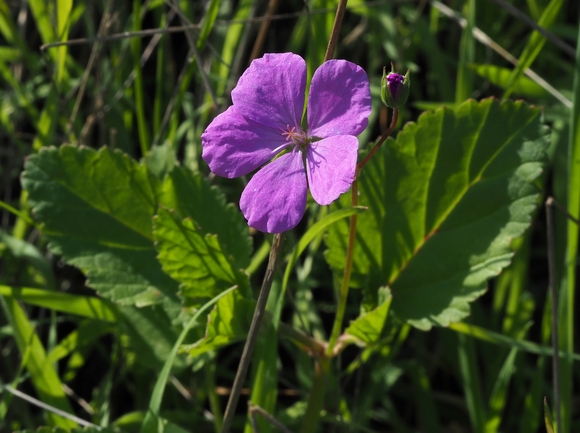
[395, 84]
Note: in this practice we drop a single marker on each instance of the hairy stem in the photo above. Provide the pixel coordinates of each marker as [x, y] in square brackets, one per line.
[252, 334]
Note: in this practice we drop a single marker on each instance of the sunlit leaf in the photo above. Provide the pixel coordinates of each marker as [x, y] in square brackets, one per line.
[195, 260]
[96, 209]
[445, 199]
[228, 323]
[369, 327]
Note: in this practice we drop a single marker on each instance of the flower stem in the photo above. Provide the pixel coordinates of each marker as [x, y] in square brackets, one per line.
[335, 30]
[386, 135]
[343, 294]
[252, 334]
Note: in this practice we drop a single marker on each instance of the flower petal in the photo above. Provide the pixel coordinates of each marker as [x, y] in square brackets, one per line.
[275, 198]
[234, 145]
[331, 166]
[339, 102]
[271, 90]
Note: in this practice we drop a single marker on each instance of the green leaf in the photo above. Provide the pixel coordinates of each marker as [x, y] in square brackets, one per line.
[315, 230]
[534, 45]
[96, 209]
[369, 327]
[500, 76]
[25, 250]
[161, 160]
[508, 342]
[87, 306]
[42, 373]
[548, 420]
[190, 195]
[228, 323]
[445, 200]
[151, 335]
[151, 420]
[196, 261]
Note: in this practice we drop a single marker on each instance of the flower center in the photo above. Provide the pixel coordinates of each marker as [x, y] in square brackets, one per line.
[298, 137]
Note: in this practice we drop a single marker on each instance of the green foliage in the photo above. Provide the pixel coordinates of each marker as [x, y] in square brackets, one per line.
[448, 195]
[368, 327]
[190, 195]
[197, 261]
[443, 205]
[499, 76]
[96, 209]
[228, 323]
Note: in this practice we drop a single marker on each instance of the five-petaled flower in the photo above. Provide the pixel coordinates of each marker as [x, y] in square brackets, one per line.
[264, 124]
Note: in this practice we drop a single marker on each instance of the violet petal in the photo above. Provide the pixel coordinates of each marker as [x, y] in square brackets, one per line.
[275, 198]
[271, 90]
[331, 166]
[339, 102]
[234, 145]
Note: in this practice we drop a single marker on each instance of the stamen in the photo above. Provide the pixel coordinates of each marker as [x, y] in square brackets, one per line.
[297, 137]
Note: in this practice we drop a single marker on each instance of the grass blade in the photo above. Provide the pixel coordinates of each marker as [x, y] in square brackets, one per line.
[43, 376]
[534, 45]
[151, 422]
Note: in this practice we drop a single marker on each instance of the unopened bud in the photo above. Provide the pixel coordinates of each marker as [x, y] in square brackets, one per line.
[395, 88]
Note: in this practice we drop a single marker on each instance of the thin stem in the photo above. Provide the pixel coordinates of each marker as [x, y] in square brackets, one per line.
[383, 138]
[554, 293]
[335, 30]
[255, 409]
[343, 293]
[252, 334]
[261, 38]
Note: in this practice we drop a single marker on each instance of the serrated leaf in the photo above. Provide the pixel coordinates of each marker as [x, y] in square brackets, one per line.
[190, 195]
[196, 261]
[96, 209]
[228, 323]
[445, 200]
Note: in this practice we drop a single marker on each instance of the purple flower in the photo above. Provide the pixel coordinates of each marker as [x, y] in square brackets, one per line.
[264, 124]
[395, 83]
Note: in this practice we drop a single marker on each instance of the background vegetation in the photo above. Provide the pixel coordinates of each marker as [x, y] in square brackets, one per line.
[144, 78]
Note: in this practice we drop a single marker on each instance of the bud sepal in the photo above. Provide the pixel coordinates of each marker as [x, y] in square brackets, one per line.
[395, 88]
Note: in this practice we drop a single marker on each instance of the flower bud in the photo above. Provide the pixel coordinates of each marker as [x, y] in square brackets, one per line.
[395, 88]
